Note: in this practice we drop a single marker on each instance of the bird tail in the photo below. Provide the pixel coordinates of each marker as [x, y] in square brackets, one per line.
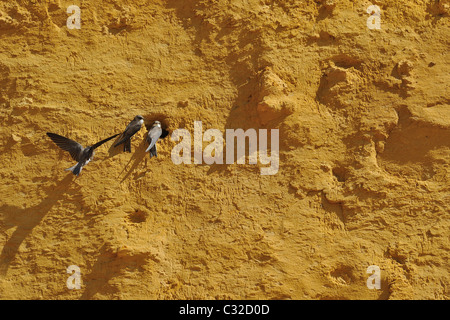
[150, 146]
[153, 152]
[122, 140]
[76, 169]
[127, 146]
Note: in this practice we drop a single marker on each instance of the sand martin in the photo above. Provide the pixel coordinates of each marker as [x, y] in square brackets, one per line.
[153, 135]
[76, 150]
[133, 127]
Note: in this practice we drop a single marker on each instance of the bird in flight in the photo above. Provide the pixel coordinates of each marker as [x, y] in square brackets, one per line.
[76, 150]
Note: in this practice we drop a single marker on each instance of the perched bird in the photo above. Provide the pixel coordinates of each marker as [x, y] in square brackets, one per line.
[76, 150]
[153, 135]
[133, 127]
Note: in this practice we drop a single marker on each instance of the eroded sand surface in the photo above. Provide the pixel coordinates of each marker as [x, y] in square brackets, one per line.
[364, 126]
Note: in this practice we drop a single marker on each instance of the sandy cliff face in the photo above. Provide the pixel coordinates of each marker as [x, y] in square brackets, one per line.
[364, 150]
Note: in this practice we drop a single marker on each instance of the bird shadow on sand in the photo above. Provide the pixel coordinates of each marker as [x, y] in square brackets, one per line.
[113, 151]
[26, 219]
[137, 157]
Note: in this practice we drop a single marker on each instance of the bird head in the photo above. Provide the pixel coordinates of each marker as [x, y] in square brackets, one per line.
[139, 118]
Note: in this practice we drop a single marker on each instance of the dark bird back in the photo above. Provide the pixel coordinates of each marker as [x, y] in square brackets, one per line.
[133, 127]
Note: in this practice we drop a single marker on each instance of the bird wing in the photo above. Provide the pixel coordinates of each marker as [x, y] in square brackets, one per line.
[153, 136]
[73, 147]
[153, 151]
[130, 130]
[98, 144]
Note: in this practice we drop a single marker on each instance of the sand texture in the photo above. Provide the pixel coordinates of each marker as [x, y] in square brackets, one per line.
[364, 149]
